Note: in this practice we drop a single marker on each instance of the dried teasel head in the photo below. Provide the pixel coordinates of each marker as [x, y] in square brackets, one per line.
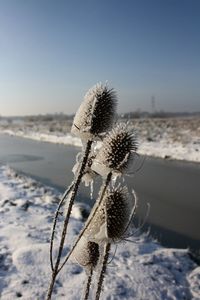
[96, 113]
[117, 151]
[112, 218]
[86, 254]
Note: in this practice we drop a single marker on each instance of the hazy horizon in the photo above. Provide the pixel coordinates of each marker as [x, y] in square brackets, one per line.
[51, 53]
[165, 113]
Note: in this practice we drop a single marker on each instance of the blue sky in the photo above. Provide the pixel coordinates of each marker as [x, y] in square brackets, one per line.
[51, 52]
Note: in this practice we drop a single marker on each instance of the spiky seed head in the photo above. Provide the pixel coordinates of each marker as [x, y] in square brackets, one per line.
[86, 253]
[96, 113]
[117, 151]
[113, 216]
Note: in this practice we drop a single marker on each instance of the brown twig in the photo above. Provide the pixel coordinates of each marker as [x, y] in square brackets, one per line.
[108, 179]
[55, 222]
[103, 270]
[66, 221]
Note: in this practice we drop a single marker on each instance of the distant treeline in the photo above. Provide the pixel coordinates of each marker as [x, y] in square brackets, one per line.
[157, 114]
[42, 118]
[128, 115]
[49, 117]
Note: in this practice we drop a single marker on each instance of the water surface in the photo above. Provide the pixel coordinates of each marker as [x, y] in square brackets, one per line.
[172, 188]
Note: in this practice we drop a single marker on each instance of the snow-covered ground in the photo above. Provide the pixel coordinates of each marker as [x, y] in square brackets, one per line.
[170, 138]
[140, 270]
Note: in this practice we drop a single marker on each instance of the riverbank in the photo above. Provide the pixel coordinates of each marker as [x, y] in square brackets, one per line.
[172, 138]
[140, 270]
[158, 182]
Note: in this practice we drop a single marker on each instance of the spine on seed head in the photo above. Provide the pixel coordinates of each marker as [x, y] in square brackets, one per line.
[96, 113]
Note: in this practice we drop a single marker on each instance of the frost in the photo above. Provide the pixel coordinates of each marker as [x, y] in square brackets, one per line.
[114, 178]
[100, 169]
[91, 189]
[76, 168]
[95, 114]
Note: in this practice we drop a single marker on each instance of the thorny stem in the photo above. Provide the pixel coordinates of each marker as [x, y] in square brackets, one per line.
[103, 270]
[66, 221]
[88, 284]
[107, 181]
[55, 221]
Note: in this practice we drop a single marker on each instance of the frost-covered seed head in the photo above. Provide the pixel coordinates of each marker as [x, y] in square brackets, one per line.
[96, 113]
[117, 151]
[112, 218]
[86, 253]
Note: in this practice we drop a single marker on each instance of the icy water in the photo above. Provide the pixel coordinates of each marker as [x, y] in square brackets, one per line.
[172, 188]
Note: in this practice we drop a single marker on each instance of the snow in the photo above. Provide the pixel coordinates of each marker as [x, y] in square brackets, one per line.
[140, 270]
[67, 139]
[167, 149]
[175, 138]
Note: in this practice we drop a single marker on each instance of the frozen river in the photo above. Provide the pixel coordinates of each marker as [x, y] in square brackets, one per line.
[172, 188]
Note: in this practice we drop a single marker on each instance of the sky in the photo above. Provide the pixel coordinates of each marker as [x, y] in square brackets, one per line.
[52, 52]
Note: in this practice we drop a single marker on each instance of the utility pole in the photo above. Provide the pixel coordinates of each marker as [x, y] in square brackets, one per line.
[153, 104]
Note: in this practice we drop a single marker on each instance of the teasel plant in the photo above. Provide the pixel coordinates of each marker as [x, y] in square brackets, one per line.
[87, 255]
[113, 159]
[93, 118]
[109, 225]
[117, 152]
[114, 215]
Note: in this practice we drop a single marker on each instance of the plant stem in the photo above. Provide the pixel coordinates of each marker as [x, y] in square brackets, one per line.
[107, 181]
[55, 221]
[66, 221]
[103, 270]
[88, 284]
